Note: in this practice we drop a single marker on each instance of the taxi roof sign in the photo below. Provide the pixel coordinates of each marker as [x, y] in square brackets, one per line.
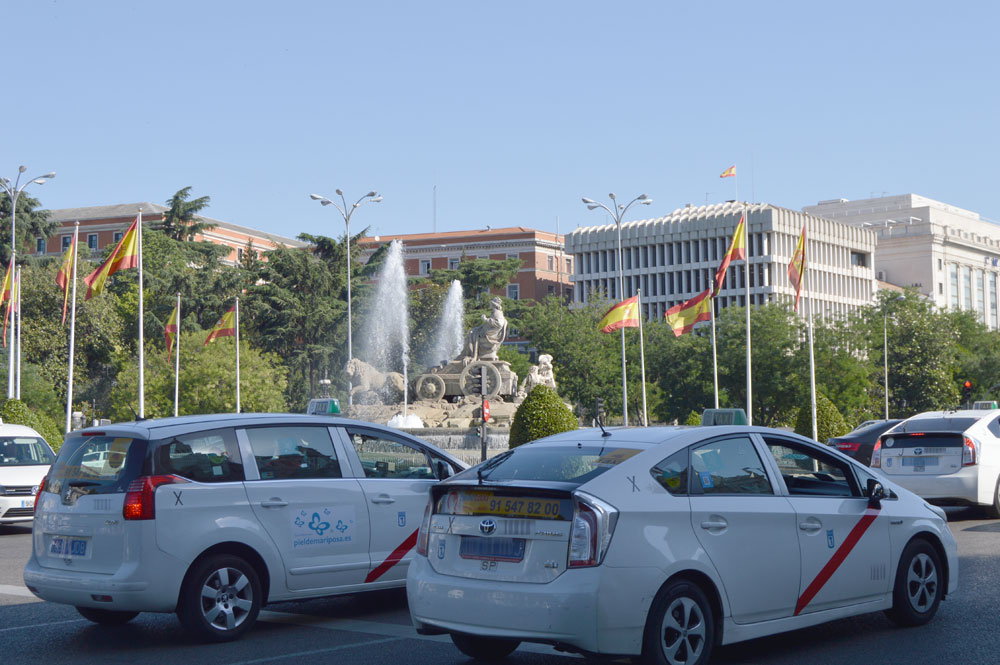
[985, 404]
[723, 417]
[327, 406]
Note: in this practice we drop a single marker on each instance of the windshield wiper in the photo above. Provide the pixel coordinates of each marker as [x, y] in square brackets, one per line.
[484, 469]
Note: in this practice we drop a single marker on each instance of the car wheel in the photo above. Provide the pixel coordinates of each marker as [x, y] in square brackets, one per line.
[484, 648]
[917, 591]
[680, 629]
[220, 598]
[106, 617]
[993, 512]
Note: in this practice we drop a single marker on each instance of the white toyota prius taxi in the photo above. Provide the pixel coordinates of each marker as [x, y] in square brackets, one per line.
[664, 542]
[214, 516]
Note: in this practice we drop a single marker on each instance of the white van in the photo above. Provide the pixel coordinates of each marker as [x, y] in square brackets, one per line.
[24, 461]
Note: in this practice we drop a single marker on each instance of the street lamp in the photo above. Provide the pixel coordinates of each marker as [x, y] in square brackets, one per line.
[885, 348]
[617, 211]
[346, 213]
[14, 190]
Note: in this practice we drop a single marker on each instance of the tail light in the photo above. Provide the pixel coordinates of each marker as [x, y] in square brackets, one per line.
[140, 500]
[970, 452]
[424, 534]
[847, 446]
[593, 525]
[41, 488]
[876, 462]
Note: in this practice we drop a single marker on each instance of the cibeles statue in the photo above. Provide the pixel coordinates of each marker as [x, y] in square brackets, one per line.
[484, 340]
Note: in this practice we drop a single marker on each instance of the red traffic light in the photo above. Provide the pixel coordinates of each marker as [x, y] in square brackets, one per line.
[967, 385]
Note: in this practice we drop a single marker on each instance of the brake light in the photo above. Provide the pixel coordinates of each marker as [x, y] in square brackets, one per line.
[970, 452]
[593, 525]
[424, 534]
[876, 462]
[140, 500]
[41, 488]
[847, 446]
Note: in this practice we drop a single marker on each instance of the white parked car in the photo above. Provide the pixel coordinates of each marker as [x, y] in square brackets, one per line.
[660, 543]
[947, 457]
[24, 460]
[214, 516]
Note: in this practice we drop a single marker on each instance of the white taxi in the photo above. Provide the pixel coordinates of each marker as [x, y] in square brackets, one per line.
[660, 543]
[24, 461]
[947, 457]
[211, 517]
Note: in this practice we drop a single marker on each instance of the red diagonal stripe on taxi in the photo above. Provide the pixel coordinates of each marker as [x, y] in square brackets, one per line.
[393, 558]
[838, 558]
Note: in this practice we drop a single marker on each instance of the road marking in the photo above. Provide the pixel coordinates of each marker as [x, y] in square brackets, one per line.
[41, 625]
[13, 590]
[286, 656]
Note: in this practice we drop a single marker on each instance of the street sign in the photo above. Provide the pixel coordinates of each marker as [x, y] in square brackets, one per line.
[486, 410]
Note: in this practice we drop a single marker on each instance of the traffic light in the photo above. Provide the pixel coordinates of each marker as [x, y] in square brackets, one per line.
[599, 408]
[966, 391]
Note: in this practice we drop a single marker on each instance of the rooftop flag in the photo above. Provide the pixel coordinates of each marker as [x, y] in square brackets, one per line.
[737, 251]
[729, 173]
[623, 315]
[683, 317]
[65, 274]
[797, 267]
[224, 327]
[125, 256]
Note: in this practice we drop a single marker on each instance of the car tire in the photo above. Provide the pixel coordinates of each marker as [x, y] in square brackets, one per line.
[917, 591]
[993, 512]
[106, 617]
[490, 649]
[220, 598]
[680, 628]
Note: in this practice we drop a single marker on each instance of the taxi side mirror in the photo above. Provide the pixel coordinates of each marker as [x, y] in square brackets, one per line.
[875, 493]
[443, 469]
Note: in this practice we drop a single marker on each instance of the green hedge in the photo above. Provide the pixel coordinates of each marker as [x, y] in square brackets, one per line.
[541, 414]
[16, 412]
[829, 422]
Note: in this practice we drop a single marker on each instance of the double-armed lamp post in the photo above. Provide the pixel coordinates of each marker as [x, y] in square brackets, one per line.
[617, 212]
[346, 212]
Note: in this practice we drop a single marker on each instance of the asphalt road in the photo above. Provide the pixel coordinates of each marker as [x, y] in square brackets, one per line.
[375, 628]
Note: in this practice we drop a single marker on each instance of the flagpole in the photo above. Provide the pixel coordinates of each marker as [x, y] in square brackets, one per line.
[177, 356]
[642, 361]
[237, 321]
[715, 357]
[621, 290]
[142, 355]
[72, 335]
[17, 320]
[812, 360]
[746, 286]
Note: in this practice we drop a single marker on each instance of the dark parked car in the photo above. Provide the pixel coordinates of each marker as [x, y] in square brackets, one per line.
[859, 443]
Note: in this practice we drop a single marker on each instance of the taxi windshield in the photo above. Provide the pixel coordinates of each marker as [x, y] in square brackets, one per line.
[24, 451]
[557, 464]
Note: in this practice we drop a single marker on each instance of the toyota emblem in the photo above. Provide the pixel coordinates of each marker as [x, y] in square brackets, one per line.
[918, 451]
[487, 526]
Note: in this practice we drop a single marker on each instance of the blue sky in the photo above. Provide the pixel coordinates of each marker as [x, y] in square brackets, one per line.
[512, 110]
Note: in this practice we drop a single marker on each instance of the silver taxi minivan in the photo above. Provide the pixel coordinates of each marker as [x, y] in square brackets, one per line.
[214, 516]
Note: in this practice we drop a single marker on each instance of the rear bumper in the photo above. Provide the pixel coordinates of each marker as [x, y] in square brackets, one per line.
[959, 488]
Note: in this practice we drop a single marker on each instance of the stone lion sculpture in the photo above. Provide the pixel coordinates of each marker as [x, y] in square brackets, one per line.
[365, 378]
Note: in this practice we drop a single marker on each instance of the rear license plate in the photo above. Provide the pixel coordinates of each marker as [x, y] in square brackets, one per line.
[492, 549]
[920, 463]
[69, 548]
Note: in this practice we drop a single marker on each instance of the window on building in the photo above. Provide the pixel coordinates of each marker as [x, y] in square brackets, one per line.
[118, 236]
[92, 241]
[66, 242]
[859, 259]
[569, 265]
[980, 297]
[551, 262]
[513, 255]
[39, 245]
[953, 278]
[425, 267]
[514, 291]
[550, 289]
[993, 300]
[939, 264]
[967, 287]
[453, 264]
[239, 254]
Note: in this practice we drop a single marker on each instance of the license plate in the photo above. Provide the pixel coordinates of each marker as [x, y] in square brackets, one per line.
[27, 503]
[919, 463]
[492, 549]
[487, 503]
[68, 548]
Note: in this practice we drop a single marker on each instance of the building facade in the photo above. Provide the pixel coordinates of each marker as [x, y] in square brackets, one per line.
[545, 265]
[950, 255]
[101, 226]
[673, 258]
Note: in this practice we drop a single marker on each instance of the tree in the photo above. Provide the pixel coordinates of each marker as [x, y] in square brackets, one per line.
[181, 221]
[541, 414]
[31, 223]
[829, 421]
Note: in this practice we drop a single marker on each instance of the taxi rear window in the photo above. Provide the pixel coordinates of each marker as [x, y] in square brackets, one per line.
[576, 465]
[937, 425]
[96, 464]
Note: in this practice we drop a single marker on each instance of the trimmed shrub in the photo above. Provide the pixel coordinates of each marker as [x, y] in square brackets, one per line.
[829, 422]
[694, 418]
[541, 414]
[16, 412]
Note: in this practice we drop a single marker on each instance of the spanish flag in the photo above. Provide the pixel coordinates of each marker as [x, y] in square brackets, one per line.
[797, 267]
[737, 251]
[683, 317]
[224, 327]
[623, 315]
[125, 256]
[11, 295]
[170, 331]
[6, 283]
[65, 274]
[729, 173]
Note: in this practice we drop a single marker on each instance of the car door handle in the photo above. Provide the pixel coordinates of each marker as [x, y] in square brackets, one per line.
[713, 524]
[383, 498]
[274, 502]
[811, 525]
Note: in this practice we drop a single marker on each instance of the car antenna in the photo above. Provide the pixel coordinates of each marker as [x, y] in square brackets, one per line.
[135, 415]
[601, 425]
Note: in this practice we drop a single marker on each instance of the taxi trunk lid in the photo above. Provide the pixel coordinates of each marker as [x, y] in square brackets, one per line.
[922, 453]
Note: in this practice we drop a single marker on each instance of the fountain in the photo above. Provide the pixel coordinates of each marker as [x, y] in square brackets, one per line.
[450, 328]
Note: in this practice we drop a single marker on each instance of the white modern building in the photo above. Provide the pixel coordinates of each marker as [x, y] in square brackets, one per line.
[949, 254]
[673, 258]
